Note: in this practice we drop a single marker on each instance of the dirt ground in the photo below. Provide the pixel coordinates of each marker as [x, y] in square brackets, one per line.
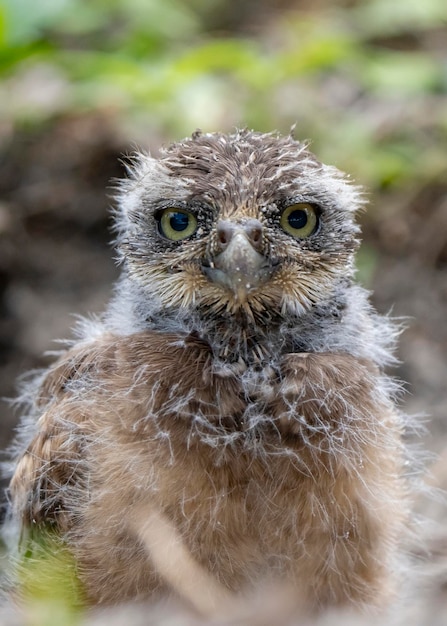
[56, 261]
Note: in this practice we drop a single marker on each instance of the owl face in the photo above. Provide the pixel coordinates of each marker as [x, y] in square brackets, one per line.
[248, 223]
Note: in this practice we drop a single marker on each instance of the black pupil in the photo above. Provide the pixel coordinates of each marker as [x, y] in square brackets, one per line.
[179, 221]
[297, 219]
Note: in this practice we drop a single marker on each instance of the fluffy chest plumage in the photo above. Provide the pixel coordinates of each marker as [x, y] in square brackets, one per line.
[262, 464]
[266, 473]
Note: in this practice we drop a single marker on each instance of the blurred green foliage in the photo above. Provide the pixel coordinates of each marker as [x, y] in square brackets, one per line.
[367, 82]
[51, 594]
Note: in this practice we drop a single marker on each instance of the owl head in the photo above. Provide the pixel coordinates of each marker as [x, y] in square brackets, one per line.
[245, 224]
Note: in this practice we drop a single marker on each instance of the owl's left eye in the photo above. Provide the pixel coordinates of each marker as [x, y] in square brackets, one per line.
[176, 224]
[299, 220]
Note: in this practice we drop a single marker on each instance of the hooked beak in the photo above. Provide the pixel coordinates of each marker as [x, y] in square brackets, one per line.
[239, 266]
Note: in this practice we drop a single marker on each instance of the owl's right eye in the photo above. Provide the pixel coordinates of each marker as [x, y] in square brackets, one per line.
[176, 224]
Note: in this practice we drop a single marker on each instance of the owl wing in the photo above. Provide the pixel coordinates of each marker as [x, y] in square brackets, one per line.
[53, 460]
[53, 474]
[88, 380]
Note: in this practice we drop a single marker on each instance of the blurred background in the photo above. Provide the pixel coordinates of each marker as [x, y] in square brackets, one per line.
[83, 82]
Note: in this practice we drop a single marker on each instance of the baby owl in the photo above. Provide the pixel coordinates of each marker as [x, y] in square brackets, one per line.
[227, 422]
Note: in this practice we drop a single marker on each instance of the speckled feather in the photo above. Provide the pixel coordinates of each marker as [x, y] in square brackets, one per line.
[260, 433]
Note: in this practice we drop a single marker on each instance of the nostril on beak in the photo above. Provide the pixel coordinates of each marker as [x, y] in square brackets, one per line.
[253, 229]
[225, 231]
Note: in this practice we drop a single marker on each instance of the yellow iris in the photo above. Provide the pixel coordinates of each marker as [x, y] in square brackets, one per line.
[299, 220]
[177, 224]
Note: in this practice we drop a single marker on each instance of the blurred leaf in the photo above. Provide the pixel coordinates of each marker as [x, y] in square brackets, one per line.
[398, 72]
[221, 55]
[114, 21]
[52, 594]
[2, 27]
[12, 57]
[382, 17]
[315, 42]
[25, 19]
[169, 19]
[314, 56]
